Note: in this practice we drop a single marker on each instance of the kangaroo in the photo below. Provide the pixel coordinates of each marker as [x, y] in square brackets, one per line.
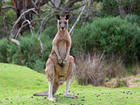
[60, 64]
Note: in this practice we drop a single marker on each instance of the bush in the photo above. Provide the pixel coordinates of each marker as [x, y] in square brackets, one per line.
[112, 35]
[110, 7]
[134, 19]
[7, 51]
[94, 69]
[28, 53]
[90, 70]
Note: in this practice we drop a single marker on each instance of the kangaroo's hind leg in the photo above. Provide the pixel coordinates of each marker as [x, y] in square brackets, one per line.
[50, 73]
[69, 75]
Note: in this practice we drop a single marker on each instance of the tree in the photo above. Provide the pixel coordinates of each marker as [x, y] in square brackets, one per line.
[26, 9]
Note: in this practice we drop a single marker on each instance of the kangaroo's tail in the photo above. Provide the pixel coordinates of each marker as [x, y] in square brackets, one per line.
[45, 93]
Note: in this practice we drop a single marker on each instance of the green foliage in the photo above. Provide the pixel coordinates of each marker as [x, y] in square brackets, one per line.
[9, 15]
[134, 19]
[112, 35]
[50, 30]
[28, 53]
[7, 50]
[111, 7]
[121, 83]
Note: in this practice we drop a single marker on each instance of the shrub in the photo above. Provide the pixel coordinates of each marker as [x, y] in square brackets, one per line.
[116, 83]
[90, 70]
[94, 69]
[7, 51]
[28, 53]
[110, 7]
[134, 19]
[112, 35]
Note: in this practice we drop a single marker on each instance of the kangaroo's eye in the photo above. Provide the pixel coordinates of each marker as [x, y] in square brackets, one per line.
[65, 22]
[59, 22]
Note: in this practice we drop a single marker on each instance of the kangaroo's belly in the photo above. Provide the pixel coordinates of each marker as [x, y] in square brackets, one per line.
[60, 74]
[62, 49]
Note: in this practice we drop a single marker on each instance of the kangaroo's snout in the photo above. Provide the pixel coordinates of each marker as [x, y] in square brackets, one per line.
[61, 82]
[62, 28]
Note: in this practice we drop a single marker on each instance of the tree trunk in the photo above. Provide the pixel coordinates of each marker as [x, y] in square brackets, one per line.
[121, 9]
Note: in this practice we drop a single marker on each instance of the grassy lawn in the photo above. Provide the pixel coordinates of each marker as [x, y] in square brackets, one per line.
[18, 84]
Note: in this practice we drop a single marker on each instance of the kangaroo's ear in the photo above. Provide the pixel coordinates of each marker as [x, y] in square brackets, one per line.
[67, 17]
[57, 16]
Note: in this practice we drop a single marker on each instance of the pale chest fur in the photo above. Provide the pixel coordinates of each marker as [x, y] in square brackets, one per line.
[62, 44]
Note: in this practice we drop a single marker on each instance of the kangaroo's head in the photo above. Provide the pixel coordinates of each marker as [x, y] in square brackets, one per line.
[62, 21]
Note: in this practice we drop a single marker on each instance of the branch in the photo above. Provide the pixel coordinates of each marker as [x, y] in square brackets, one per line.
[34, 4]
[121, 9]
[28, 22]
[13, 30]
[41, 2]
[60, 4]
[66, 9]
[87, 14]
[77, 7]
[9, 6]
[77, 20]
[71, 2]
[42, 23]
[32, 9]
[0, 7]
[41, 45]
[14, 41]
[53, 4]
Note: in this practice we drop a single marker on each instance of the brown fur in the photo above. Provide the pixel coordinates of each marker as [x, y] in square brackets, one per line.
[60, 65]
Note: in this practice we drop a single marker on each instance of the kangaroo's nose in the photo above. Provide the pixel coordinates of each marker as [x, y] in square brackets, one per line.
[61, 82]
[62, 28]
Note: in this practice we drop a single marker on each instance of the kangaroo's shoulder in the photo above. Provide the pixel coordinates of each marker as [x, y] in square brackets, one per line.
[60, 37]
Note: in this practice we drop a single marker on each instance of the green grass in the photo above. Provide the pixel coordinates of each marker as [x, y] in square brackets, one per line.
[137, 80]
[18, 84]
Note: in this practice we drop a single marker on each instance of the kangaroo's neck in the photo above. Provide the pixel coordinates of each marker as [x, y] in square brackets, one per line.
[63, 32]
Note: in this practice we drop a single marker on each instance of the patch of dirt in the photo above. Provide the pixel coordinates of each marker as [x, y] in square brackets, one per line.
[130, 81]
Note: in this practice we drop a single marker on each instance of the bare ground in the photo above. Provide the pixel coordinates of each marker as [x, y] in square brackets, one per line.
[130, 81]
[133, 81]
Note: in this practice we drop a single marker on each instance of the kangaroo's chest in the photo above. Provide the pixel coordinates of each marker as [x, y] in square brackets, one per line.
[62, 49]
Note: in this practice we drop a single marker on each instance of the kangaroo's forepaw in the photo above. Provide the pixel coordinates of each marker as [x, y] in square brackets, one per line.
[70, 96]
[59, 61]
[53, 99]
[64, 62]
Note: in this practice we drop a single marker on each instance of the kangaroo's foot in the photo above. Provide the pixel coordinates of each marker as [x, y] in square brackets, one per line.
[52, 99]
[70, 96]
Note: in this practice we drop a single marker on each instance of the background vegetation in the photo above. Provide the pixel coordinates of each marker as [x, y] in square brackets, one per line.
[107, 45]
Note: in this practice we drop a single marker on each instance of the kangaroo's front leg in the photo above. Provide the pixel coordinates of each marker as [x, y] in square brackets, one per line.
[67, 54]
[57, 53]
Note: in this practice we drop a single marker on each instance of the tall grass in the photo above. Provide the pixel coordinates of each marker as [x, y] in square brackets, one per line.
[94, 69]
